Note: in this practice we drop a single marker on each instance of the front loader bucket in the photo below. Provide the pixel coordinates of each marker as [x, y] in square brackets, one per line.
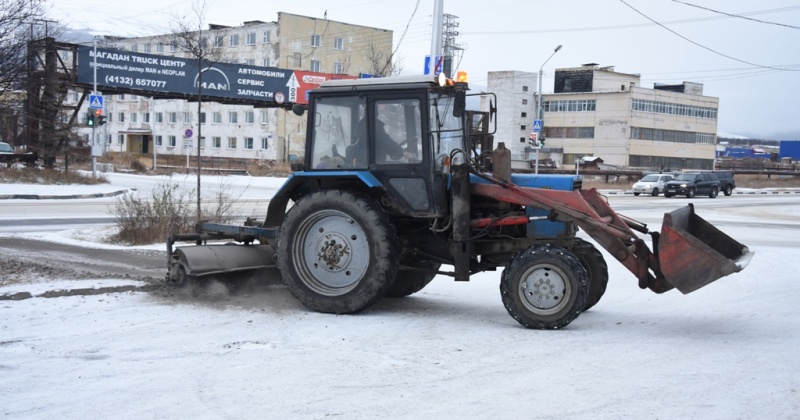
[693, 253]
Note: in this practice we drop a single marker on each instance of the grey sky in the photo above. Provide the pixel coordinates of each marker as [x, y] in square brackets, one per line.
[756, 99]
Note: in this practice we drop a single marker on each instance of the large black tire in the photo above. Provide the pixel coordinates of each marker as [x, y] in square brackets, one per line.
[690, 192]
[636, 194]
[543, 287]
[337, 252]
[655, 192]
[714, 192]
[409, 282]
[596, 270]
[728, 190]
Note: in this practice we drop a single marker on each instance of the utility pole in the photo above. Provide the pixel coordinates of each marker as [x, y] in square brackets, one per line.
[94, 125]
[436, 34]
[450, 33]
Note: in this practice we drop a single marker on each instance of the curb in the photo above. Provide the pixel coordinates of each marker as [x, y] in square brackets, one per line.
[60, 197]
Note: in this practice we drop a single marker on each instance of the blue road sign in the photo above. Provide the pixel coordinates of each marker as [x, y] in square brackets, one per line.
[537, 125]
[96, 101]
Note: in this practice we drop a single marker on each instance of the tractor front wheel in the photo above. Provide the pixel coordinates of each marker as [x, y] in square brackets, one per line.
[544, 287]
[596, 270]
[337, 252]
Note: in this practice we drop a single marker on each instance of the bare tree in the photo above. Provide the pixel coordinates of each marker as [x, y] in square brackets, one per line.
[188, 37]
[381, 63]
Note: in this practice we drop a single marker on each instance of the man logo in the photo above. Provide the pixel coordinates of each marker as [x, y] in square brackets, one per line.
[213, 79]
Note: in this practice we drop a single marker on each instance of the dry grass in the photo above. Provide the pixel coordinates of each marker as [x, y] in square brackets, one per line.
[16, 175]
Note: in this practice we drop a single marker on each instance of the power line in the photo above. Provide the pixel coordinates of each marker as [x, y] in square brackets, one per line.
[735, 15]
[703, 46]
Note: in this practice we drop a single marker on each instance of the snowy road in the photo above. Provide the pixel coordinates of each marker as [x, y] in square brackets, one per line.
[726, 351]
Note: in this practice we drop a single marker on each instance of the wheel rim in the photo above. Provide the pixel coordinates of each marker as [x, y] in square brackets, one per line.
[544, 289]
[333, 252]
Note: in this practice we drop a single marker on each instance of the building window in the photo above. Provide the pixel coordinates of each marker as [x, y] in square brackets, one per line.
[338, 43]
[523, 127]
[120, 139]
[314, 66]
[218, 39]
[173, 117]
[524, 88]
[145, 117]
[580, 105]
[173, 46]
[147, 48]
[251, 38]
[266, 37]
[233, 117]
[187, 117]
[338, 68]
[524, 115]
[134, 117]
[265, 62]
[122, 97]
[264, 118]
[159, 117]
[203, 142]
[159, 141]
[264, 143]
[202, 117]
[248, 143]
[121, 117]
[135, 48]
[108, 138]
[316, 40]
[234, 40]
[249, 117]
[522, 139]
[216, 118]
[524, 102]
[250, 62]
[160, 47]
[231, 142]
[298, 59]
[173, 141]
[216, 142]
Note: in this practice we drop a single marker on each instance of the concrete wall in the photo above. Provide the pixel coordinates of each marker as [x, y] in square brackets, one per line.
[516, 107]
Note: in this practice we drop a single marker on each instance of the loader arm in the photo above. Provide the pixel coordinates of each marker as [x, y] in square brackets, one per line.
[697, 243]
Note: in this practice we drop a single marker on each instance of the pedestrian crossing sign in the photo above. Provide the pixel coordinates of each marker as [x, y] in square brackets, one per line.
[96, 101]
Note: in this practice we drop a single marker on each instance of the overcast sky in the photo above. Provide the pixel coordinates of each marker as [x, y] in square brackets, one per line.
[747, 60]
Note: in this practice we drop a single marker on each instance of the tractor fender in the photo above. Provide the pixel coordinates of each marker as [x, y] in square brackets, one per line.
[300, 184]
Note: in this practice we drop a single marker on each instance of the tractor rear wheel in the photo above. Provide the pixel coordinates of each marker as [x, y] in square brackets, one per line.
[544, 287]
[409, 282]
[596, 270]
[337, 252]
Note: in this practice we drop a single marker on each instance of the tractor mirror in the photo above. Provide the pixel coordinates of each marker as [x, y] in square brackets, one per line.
[298, 110]
[460, 104]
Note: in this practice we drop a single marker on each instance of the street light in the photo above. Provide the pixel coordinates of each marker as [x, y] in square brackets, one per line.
[539, 108]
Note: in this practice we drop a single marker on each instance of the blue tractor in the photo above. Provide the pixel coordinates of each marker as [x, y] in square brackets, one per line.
[401, 184]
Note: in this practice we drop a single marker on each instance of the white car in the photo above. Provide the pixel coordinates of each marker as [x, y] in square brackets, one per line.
[652, 184]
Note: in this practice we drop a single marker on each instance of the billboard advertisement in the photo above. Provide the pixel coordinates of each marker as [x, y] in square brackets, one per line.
[153, 74]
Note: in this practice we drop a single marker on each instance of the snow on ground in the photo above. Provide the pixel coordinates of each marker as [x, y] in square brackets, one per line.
[726, 351]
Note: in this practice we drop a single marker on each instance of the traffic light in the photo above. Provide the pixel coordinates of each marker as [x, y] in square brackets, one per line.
[90, 119]
[101, 119]
[541, 140]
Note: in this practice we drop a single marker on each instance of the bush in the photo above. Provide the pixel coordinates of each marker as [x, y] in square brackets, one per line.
[170, 209]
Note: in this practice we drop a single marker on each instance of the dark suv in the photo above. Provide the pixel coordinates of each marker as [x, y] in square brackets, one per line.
[690, 184]
[726, 182]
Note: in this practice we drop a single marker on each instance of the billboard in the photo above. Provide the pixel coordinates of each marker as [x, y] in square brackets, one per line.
[168, 75]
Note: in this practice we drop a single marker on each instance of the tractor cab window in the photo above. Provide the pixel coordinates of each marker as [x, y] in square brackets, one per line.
[447, 131]
[335, 138]
[397, 131]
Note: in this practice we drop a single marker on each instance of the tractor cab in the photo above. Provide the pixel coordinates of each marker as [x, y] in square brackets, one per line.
[403, 133]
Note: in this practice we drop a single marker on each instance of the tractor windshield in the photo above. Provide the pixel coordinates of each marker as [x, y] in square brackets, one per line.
[447, 131]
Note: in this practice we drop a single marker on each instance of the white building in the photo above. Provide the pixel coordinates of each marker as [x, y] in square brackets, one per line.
[140, 124]
[598, 112]
[516, 110]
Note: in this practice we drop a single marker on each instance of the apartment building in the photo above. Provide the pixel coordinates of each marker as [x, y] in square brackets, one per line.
[140, 124]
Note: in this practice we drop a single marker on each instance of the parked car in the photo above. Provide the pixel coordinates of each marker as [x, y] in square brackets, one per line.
[693, 183]
[726, 182]
[652, 184]
[6, 149]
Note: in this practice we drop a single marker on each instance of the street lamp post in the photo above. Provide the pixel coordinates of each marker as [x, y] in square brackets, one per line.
[539, 107]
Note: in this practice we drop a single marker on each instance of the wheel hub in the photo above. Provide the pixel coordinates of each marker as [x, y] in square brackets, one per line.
[543, 288]
[334, 252]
